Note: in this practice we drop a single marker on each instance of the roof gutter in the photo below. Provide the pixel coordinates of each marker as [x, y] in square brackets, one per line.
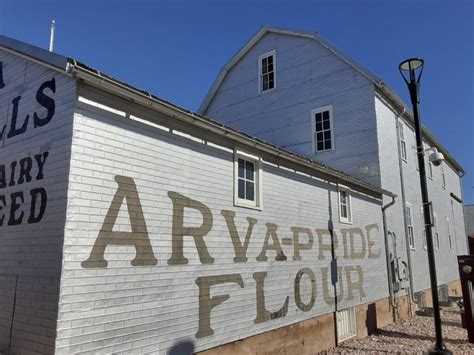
[97, 79]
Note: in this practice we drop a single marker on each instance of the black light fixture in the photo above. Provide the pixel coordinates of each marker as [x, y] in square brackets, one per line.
[411, 70]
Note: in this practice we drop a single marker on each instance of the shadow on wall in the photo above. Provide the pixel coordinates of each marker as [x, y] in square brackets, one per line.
[371, 320]
[182, 348]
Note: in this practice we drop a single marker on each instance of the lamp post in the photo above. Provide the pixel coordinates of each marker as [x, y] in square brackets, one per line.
[411, 70]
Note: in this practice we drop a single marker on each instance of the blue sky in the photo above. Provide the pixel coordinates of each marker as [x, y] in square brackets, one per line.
[176, 48]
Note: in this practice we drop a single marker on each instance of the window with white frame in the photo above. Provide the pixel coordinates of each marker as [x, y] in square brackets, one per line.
[345, 205]
[423, 229]
[346, 324]
[267, 71]
[435, 231]
[323, 130]
[403, 144]
[247, 180]
[448, 230]
[411, 237]
[443, 177]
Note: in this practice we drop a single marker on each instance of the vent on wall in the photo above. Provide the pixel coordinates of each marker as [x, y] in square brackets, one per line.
[443, 293]
[420, 300]
[346, 324]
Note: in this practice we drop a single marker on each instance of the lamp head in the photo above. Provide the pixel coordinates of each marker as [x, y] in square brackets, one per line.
[413, 67]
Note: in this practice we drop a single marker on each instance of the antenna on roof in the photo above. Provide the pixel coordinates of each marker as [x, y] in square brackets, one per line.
[51, 37]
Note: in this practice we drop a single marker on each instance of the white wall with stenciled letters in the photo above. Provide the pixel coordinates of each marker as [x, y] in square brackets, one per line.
[36, 111]
[155, 251]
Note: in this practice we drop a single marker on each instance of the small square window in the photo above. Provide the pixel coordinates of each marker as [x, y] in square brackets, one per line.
[247, 175]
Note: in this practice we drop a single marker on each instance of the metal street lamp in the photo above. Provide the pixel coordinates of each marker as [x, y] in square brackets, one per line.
[411, 70]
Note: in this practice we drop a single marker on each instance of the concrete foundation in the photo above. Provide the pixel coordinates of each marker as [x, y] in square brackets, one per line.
[319, 334]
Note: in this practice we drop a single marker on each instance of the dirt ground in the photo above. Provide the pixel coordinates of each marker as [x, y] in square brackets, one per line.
[411, 336]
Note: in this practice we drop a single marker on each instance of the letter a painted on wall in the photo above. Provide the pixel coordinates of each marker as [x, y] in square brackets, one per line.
[138, 237]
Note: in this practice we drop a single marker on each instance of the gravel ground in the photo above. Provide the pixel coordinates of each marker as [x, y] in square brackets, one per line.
[411, 336]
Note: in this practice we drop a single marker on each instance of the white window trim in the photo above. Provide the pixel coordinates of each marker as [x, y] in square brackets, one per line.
[443, 178]
[423, 229]
[449, 235]
[409, 206]
[349, 204]
[239, 202]
[350, 314]
[313, 128]
[401, 136]
[260, 58]
[435, 232]
[430, 170]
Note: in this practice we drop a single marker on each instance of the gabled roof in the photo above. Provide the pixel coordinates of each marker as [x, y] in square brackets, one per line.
[381, 87]
[91, 76]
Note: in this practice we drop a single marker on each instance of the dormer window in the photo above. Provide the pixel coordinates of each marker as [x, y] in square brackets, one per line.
[266, 69]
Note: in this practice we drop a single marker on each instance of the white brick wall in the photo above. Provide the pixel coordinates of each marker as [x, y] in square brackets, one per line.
[31, 253]
[150, 308]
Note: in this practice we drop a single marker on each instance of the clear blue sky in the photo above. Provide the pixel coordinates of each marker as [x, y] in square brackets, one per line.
[176, 48]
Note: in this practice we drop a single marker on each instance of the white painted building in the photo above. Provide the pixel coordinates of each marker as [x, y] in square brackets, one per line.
[129, 224]
[297, 91]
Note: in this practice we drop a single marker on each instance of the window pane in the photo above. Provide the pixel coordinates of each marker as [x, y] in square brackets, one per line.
[342, 197]
[327, 145]
[326, 125]
[270, 67]
[271, 84]
[319, 126]
[270, 76]
[249, 170]
[320, 137]
[344, 211]
[327, 135]
[241, 188]
[326, 115]
[249, 187]
[318, 117]
[270, 59]
[241, 168]
[320, 146]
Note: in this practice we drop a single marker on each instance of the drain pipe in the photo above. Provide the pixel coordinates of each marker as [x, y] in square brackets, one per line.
[387, 258]
[402, 183]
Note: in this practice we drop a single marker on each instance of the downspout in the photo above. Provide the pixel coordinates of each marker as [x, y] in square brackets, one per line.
[402, 183]
[387, 258]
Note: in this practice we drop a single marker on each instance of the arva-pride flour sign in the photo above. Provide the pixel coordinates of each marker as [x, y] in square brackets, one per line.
[24, 206]
[306, 243]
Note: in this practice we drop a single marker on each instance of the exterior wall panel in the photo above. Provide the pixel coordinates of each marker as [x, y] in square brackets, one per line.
[34, 167]
[308, 77]
[120, 307]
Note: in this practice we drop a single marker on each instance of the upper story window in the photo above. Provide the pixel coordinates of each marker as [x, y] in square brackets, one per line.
[411, 237]
[247, 180]
[423, 229]
[448, 230]
[430, 170]
[443, 177]
[403, 143]
[267, 71]
[323, 129]
[435, 231]
[345, 205]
